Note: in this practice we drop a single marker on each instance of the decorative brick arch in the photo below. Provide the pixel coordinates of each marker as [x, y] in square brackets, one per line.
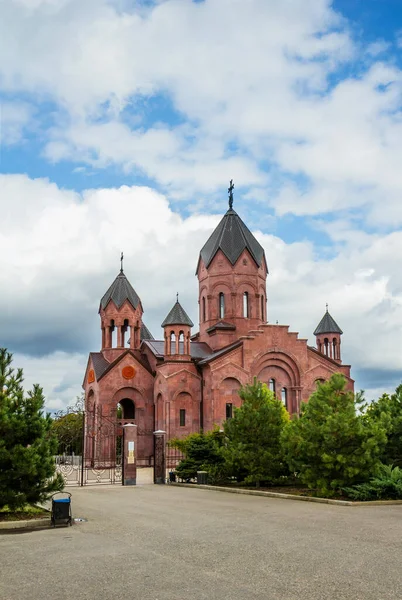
[129, 393]
[279, 359]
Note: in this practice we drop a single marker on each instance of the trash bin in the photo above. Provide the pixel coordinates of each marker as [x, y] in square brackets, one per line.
[61, 510]
[202, 477]
[172, 476]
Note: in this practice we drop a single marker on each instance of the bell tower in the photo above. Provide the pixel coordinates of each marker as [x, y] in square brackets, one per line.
[121, 312]
[328, 337]
[177, 330]
[232, 272]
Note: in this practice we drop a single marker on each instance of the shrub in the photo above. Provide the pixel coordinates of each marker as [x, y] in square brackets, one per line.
[387, 484]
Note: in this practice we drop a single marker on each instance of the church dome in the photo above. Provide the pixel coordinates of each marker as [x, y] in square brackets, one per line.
[120, 291]
[177, 316]
[327, 325]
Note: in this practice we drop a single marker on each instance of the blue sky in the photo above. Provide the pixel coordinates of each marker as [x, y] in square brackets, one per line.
[299, 102]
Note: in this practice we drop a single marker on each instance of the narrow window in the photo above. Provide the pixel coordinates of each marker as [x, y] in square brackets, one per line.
[272, 385]
[182, 417]
[335, 354]
[229, 410]
[245, 305]
[284, 396]
[181, 342]
[221, 305]
[204, 312]
[326, 347]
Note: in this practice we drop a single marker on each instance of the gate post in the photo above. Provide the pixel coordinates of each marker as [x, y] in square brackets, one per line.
[159, 456]
[129, 453]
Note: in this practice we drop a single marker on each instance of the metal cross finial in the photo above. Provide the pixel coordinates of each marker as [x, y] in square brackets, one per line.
[121, 262]
[326, 306]
[177, 297]
[230, 190]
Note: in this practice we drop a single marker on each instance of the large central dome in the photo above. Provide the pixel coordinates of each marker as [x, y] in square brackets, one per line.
[232, 237]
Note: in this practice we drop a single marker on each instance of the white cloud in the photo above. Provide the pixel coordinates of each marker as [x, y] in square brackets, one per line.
[62, 254]
[14, 117]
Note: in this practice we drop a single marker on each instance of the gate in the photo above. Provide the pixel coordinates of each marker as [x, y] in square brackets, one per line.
[101, 460]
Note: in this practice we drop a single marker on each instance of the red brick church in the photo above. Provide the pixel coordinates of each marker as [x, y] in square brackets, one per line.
[186, 381]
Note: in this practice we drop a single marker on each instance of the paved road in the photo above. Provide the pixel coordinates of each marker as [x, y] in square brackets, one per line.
[167, 543]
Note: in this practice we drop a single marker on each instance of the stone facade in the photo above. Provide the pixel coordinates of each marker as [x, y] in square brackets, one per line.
[183, 383]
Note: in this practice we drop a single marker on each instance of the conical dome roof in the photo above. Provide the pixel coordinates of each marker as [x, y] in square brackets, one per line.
[232, 237]
[120, 291]
[177, 316]
[327, 325]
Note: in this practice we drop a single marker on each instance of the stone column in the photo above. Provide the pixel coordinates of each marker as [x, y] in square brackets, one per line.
[130, 454]
[159, 456]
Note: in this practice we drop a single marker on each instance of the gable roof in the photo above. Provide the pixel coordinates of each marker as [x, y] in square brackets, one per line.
[145, 333]
[120, 291]
[198, 350]
[99, 362]
[177, 316]
[327, 325]
[232, 237]
[220, 352]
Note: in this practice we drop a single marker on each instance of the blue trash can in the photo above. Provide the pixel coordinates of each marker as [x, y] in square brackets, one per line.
[61, 510]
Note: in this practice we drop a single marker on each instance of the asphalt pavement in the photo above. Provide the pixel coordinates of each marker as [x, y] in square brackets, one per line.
[168, 543]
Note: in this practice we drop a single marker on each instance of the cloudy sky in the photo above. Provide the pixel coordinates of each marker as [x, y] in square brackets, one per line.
[122, 122]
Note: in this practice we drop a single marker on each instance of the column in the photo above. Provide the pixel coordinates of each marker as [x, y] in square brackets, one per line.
[130, 454]
[159, 456]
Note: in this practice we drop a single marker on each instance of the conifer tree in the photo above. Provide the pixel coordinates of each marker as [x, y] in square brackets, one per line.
[252, 450]
[332, 446]
[27, 469]
[388, 411]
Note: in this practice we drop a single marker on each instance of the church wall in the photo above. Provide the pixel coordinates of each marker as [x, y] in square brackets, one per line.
[114, 386]
[177, 387]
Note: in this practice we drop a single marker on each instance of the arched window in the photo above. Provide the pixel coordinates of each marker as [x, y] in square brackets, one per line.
[221, 305]
[245, 305]
[204, 310]
[172, 343]
[181, 342]
[271, 385]
[284, 397]
[113, 334]
[262, 306]
[326, 345]
[124, 330]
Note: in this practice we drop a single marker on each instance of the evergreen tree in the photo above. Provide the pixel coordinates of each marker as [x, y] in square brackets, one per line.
[331, 446]
[27, 469]
[252, 450]
[388, 411]
[201, 453]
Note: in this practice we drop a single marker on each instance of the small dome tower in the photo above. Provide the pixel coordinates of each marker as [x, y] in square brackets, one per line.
[177, 326]
[120, 310]
[328, 337]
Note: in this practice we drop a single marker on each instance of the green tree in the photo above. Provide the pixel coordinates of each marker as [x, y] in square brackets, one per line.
[331, 446]
[27, 468]
[388, 411]
[202, 452]
[67, 426]
[252, 437]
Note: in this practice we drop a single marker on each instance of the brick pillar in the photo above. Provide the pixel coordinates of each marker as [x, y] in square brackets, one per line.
[130, 454]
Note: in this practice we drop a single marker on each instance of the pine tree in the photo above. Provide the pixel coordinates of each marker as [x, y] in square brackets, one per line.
[252, 450]
[331, 446]
[388, 411]
[27, 469]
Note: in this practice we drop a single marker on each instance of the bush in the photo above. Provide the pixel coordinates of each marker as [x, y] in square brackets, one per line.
[252, 448]
[386, 485]
[202, 452]
[330, 446]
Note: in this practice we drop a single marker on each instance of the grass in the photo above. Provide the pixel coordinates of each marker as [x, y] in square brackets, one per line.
[26, 513]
